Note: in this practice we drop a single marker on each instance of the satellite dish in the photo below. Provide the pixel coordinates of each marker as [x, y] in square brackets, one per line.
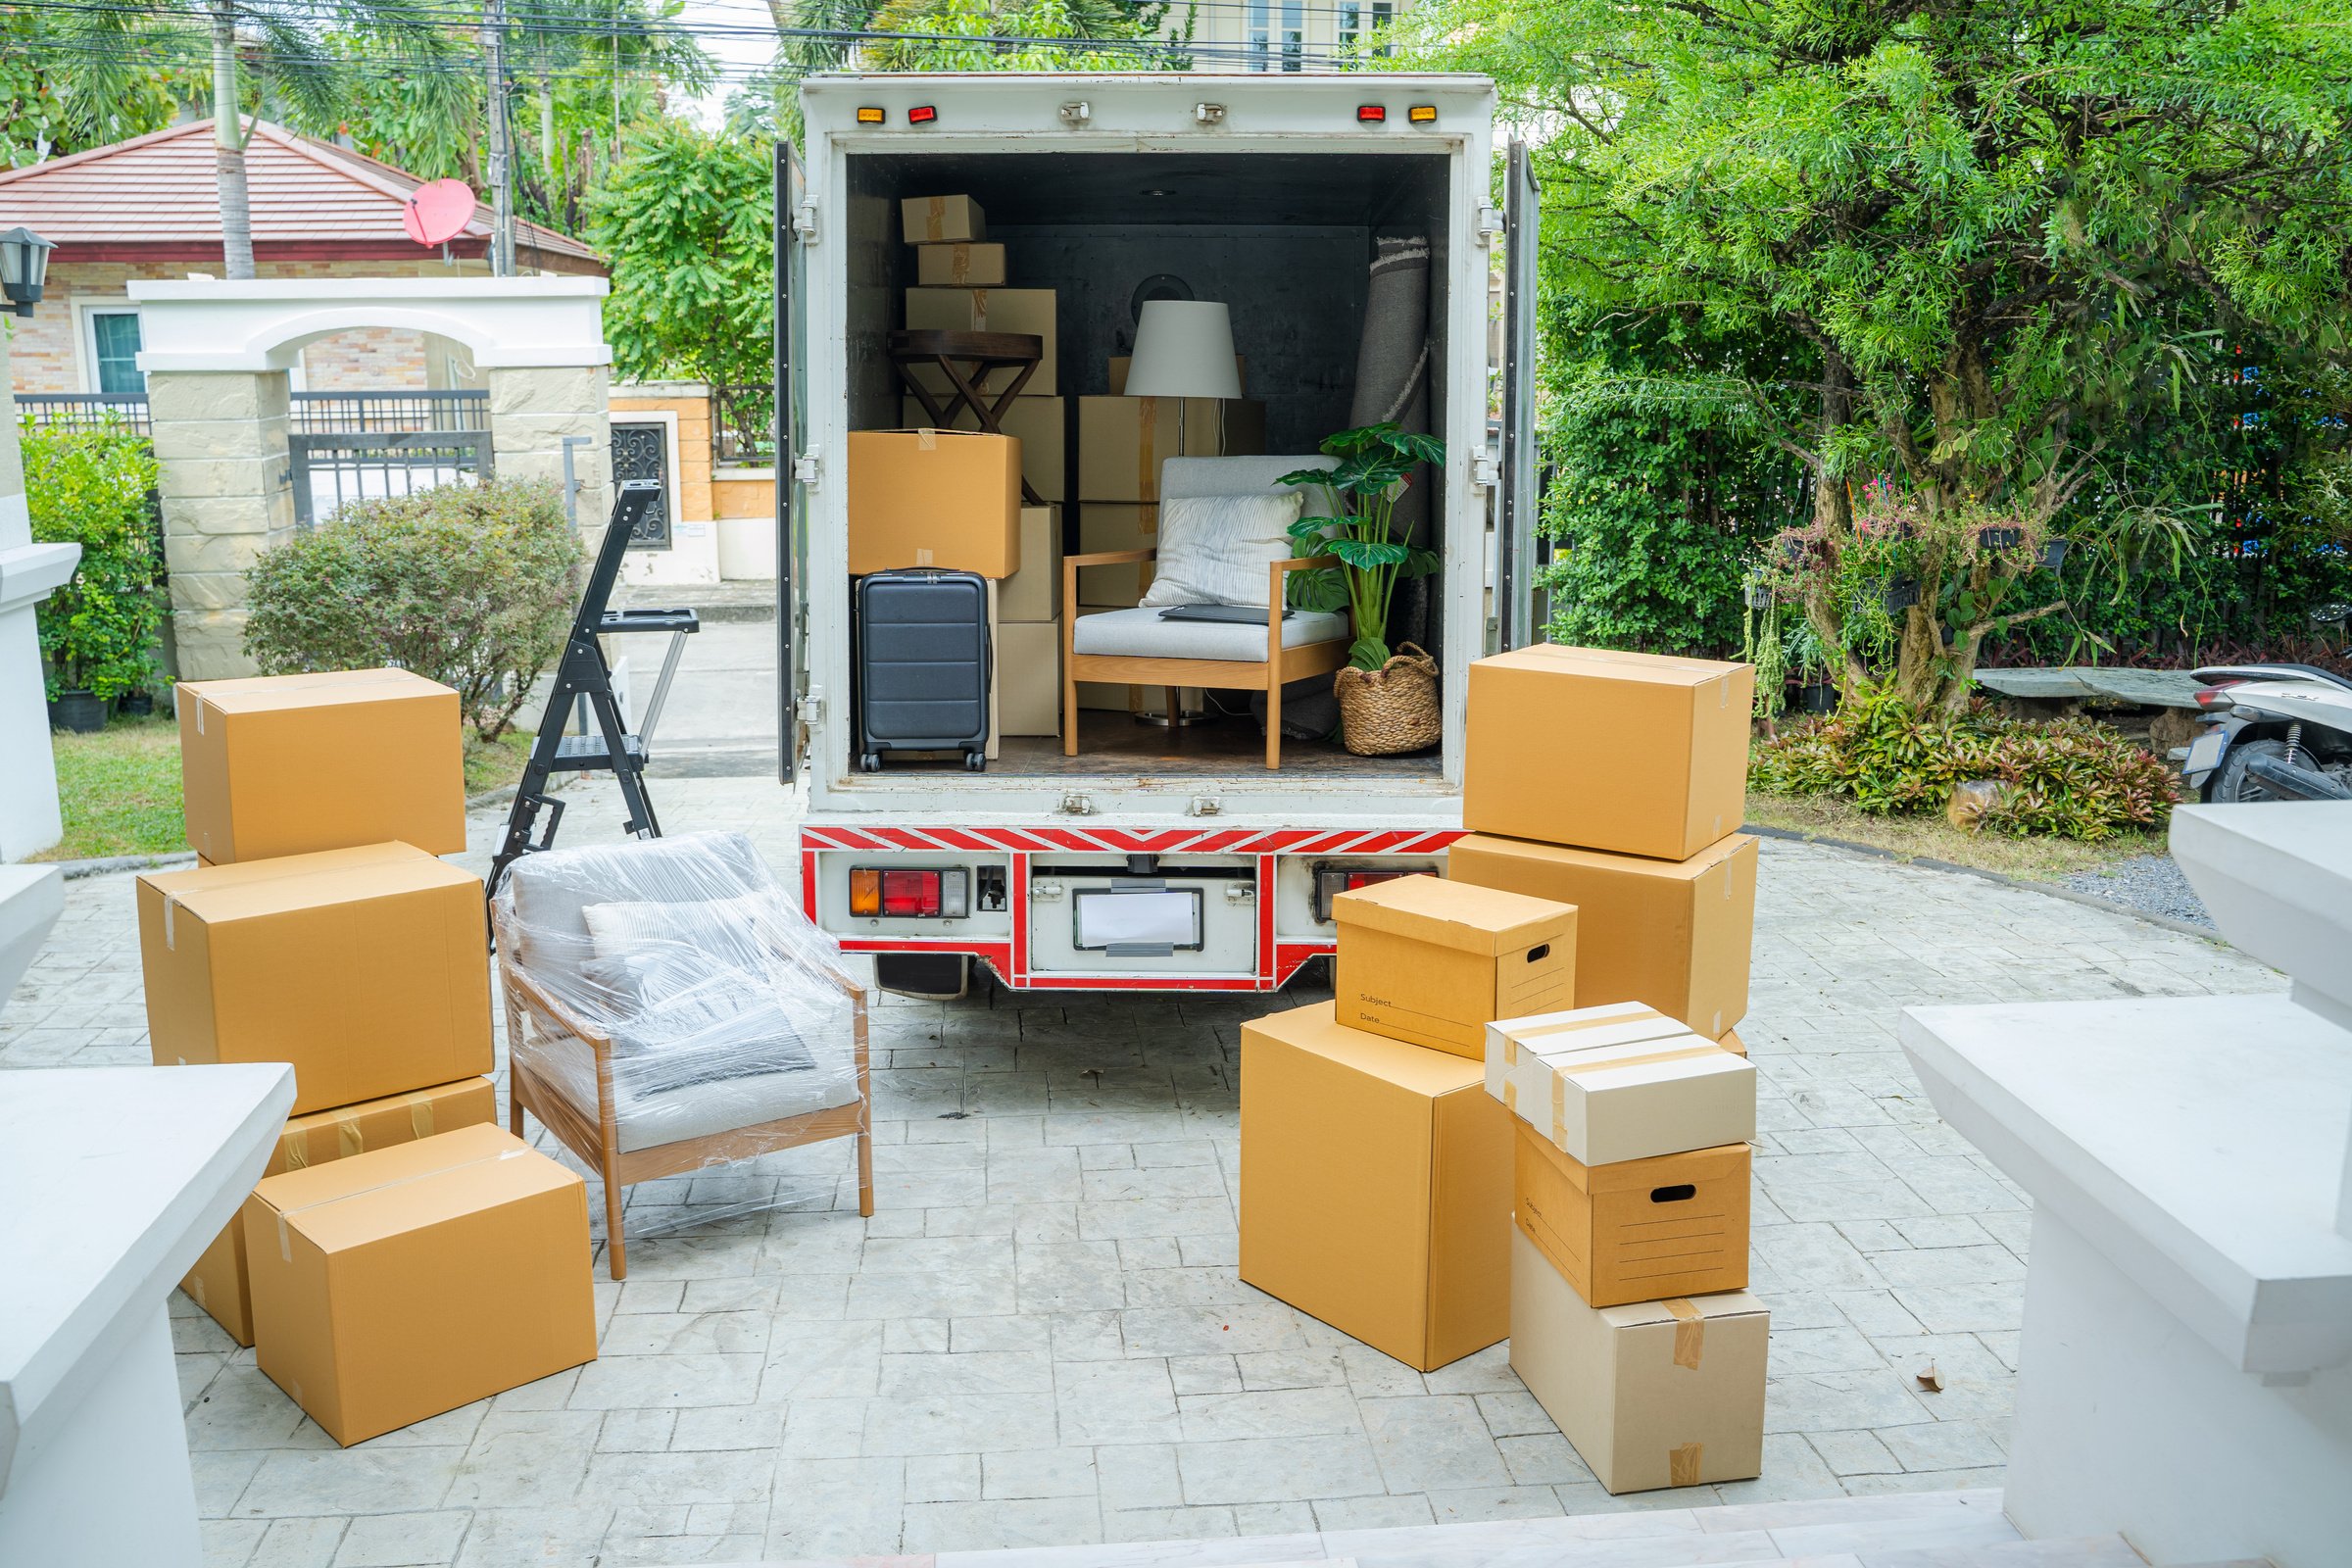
[435, 213]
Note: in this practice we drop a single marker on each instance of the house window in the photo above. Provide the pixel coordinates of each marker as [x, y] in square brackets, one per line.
[1350, 23]
[1261, 31]
[1382, 13]
[115, 353]
[1294, 36]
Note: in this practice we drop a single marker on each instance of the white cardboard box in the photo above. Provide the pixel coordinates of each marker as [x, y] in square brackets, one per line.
[1652, 1393]
[1619, 1088]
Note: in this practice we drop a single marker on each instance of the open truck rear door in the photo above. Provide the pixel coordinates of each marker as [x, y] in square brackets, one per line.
[1517, 623]
[796, 470]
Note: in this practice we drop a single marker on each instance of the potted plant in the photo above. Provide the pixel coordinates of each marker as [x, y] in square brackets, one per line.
[1387, 698]
[1816, 692]
[98, 633]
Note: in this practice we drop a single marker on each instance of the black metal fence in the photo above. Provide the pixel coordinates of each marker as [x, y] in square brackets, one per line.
[86, 411]
[743, 423]
[353, 446]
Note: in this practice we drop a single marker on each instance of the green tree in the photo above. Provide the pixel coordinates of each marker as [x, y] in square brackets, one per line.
[1960, 244]
[683, 218]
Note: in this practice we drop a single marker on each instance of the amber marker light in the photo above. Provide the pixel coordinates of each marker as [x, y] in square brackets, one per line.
[1422, 114]
[872, 116]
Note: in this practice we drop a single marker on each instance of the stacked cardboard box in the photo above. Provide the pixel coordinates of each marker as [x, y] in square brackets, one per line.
[1375, 1172]
[320, 932]
[1615, 782]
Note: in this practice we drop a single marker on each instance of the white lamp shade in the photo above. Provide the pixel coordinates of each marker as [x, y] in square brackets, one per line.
[1183, 349]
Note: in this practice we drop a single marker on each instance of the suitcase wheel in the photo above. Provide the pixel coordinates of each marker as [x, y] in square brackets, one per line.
[975, 762]
[870, 762]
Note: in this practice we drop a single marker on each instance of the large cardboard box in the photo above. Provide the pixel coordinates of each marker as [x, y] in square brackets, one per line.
[960, 264]
[950, 499]
[1674, 935]
[1676, 1225]
[1122, 441]
[1375, 1187]
[1029, 311]
[398, 1284]
[1632, 753]
[364, 968]
[1115, 526]
[1034, 593]
[1029, 677]
[1035, 423]
[218, 1281]
[931, 220]
[285, 765]
[1602, 1098]
[1432, 961]
[1652, 1393]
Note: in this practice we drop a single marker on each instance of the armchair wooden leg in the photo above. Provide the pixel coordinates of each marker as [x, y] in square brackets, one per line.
[617, 1252]
[513, 1105]
[1274, 723]
[1069, 705]
[866, 1174]
[1175, 700]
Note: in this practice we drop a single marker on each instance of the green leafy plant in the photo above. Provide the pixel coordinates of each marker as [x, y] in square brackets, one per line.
[2074, 779]
[1376, 464]
[95, 488]
[470, 585]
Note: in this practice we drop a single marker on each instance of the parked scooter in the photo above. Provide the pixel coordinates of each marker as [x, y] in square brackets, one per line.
[2274, 732]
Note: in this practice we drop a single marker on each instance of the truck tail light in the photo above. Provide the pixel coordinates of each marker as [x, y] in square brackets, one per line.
[921, 114]
[1332, 881]
[1371, 113]
[911, 894]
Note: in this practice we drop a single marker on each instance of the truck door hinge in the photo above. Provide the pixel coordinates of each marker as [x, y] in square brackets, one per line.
[806, 468]
[1204, 805]
[804, 221]
[1076, 805]
[1485, 469]
[812, 708]
[1489, 224]
[1044, 892]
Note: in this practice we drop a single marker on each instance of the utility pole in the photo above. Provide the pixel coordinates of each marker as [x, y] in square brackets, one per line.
[501, 194]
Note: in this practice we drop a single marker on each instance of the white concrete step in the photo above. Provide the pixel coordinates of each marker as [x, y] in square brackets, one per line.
[1918, 1530]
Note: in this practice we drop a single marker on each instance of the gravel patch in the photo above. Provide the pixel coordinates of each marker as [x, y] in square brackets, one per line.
[2148, 882]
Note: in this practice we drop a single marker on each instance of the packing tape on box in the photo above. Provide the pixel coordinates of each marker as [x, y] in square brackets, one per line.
[1146, 463]
[350, 1136]
[959, 264]
[1690, 1332]
[194, 1286]
[285, 1239]
[1682, 1463]
[979, 310]
[935, 218]
[420, 1113]
[1563, 1069]
[1569, 1026]
[926, 439]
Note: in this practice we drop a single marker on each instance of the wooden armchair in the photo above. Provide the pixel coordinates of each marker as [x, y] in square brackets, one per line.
[557, 1052]
[1136, 646]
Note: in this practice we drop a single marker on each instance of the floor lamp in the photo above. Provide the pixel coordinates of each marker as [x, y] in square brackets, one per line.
[1183, 349]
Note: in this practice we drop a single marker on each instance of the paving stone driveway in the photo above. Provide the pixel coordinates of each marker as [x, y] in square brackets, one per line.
[1038, 1339]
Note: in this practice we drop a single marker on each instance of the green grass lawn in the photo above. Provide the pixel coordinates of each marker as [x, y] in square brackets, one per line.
[119, 788]
[1930, 836]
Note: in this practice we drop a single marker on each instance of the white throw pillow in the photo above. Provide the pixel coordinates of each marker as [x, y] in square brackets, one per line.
[1214, 550]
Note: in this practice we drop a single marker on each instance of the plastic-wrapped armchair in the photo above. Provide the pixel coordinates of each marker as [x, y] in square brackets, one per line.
[669, 1008]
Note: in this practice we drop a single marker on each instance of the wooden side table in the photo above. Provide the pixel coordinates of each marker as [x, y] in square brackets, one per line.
[968, 360]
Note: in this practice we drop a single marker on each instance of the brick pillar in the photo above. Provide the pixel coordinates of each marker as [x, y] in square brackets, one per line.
[532, 410]
[220, 446]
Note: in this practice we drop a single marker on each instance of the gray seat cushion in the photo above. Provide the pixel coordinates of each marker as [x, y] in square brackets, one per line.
[1140, 634]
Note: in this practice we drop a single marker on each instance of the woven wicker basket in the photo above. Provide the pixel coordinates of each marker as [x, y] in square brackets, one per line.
[1390, 709]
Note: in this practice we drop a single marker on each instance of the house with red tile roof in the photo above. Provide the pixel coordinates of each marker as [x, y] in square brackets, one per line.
[150, 208]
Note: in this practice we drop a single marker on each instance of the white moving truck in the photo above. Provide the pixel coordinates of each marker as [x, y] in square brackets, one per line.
[1158, 858]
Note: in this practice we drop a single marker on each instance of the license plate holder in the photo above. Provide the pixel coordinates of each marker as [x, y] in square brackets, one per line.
[2205, 753]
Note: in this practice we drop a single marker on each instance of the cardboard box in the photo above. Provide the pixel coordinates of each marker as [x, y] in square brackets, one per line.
[1630, 752]
[930, 219]
[398, 1284]
[1029, 311]
[1375, 1187]
[1115, 526]
[1118, 364]
[1732, 1043]
[1122, 441]
[1430, 962]
[1676, 1225]
[1652, 1393]
[364, 968]
[285, 765]
[950, 499]
[1603, 1098]
[1034, 593]
[218, 1281]
[1035, 423]
[960, 264]
[1674, 935]
[1029, 677]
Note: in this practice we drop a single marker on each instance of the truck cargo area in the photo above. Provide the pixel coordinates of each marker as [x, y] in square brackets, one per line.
[1286, 242]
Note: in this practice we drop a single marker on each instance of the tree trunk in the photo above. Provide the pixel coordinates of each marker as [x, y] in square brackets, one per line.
[547, 129]
[229, 150]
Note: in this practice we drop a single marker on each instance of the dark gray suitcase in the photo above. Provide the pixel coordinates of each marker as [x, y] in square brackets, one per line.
[922, 665]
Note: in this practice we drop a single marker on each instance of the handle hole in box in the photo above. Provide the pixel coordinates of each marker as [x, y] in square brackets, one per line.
[1538, 953]
[1679, 1193]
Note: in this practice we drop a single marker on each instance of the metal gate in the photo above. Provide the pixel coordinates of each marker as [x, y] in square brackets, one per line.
[640, 451]
[352, 446]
